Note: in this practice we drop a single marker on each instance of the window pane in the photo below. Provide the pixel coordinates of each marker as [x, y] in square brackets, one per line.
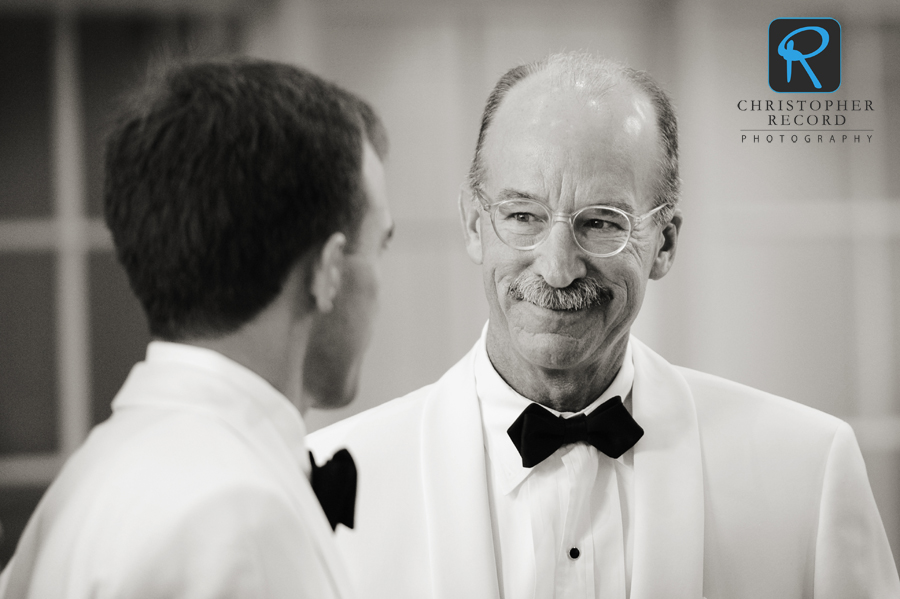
[119, 333]
[16, 506]
[25, 116]
[115, 54]
[28, 404]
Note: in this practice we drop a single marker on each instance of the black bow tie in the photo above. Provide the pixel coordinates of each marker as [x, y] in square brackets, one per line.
[335, 485]
[537, 433]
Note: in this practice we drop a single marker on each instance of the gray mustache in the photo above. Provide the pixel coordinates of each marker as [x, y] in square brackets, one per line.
[580, 295]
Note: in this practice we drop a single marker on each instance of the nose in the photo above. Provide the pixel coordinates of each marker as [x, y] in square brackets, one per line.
[558, 259]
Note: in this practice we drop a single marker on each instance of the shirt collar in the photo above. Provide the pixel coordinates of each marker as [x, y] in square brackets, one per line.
[501, 405]
[255, 395]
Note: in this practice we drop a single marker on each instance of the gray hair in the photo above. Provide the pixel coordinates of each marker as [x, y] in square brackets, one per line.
[597, 76]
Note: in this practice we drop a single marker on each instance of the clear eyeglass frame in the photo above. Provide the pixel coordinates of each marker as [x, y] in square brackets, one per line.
[493, 207]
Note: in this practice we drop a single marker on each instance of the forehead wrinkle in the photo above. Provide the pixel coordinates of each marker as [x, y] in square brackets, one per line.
[599, 172]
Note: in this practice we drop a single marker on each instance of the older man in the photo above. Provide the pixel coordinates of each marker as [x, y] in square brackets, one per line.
[246, 201]
[562, 457]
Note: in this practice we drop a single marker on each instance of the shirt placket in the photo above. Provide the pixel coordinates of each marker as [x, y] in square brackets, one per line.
[608, 532]
[575, 558]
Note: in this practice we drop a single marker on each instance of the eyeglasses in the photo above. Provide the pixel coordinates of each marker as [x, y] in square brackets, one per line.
[601, 231]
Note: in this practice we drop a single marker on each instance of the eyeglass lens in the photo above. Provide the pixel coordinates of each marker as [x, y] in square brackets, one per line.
[523, 224]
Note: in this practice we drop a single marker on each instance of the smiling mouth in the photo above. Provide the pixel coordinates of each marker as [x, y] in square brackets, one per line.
[565, 310]
[582, 294]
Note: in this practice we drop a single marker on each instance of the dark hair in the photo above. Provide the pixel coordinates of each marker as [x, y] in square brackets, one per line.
[220, 177]
[599, 75]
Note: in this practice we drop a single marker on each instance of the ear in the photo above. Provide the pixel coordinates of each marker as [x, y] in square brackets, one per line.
[470, 214]
[327, 272]
[668, 243]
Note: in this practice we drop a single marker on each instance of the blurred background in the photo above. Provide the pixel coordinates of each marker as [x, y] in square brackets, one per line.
[788, 273]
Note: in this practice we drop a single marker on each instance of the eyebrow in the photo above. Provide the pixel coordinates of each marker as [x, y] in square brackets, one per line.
[509, 193]
[624, 207]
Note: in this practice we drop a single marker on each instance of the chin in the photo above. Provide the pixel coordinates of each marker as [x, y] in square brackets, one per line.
[345, 398]
[553, 350]
[334, 403]
[322, 400]
[335, 390]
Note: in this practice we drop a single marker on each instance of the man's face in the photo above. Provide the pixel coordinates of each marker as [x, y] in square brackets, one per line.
[567, 150]
[340, 337]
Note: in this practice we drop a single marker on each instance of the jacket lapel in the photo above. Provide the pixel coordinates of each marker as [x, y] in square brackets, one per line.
[669, 507]
[457, 505]
[668, 479]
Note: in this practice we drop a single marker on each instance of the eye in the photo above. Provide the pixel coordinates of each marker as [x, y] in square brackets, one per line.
[597, 223]
[523, 217]
[600, 224]
[601, 221]
[522, 212]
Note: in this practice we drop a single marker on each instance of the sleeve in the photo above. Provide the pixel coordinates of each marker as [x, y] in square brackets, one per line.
[240, 543]
[853, 557]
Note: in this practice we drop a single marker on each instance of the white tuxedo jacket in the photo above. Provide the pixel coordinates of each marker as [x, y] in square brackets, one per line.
[193, 489]
[738, 494]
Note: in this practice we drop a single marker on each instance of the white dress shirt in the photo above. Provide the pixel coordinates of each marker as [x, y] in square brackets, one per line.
[196, 487]
[564, 527]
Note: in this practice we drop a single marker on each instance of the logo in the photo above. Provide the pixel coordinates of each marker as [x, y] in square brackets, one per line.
[804, 55]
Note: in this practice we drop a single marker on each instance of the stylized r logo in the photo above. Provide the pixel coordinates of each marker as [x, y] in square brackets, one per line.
[786, 50]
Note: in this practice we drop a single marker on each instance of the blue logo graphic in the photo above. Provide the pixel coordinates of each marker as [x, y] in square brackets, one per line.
[791, 55]
[805, 55]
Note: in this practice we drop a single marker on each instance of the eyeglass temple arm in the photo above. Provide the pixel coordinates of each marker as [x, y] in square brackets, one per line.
[476, 193]
[639, 219]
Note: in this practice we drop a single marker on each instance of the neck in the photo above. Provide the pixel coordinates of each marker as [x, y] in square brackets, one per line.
[563, 389]
[273, 345]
